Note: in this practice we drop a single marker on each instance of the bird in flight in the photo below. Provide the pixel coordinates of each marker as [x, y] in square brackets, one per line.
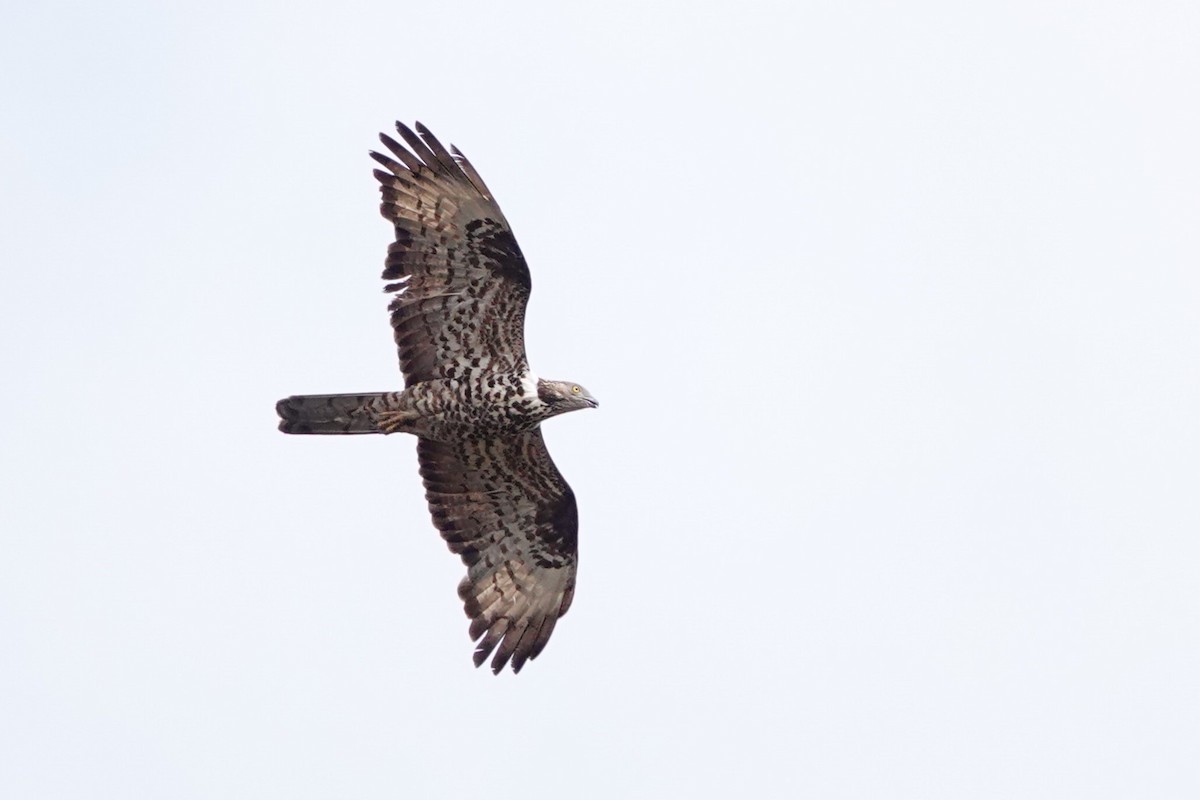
[460, 286]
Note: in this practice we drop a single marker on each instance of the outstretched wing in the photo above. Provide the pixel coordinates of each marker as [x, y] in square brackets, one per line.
[504, 507]
[461, 282]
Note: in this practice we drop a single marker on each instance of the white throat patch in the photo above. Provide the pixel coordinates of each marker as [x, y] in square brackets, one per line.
[529, 385]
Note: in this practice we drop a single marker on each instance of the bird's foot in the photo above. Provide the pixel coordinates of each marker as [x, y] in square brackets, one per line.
[394, 421]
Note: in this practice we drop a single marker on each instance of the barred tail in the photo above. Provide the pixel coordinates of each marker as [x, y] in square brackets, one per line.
[334, 413]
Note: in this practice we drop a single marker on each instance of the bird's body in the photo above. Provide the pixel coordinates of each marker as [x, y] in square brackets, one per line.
[461, 287]
[444, 410]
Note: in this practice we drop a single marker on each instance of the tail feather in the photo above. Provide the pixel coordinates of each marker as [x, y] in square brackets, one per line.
[334, 413]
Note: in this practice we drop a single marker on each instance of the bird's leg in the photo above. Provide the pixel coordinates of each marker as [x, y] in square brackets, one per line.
[394, 421]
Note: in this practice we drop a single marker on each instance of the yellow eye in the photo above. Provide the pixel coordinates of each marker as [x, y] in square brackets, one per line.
[576, 389]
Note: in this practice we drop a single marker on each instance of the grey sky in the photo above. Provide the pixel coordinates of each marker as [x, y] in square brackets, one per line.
[891, 309]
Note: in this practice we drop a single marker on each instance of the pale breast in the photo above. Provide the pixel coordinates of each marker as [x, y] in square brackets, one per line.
[489, 404]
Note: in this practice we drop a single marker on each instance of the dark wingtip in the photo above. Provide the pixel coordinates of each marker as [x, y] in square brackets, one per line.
[500, 661]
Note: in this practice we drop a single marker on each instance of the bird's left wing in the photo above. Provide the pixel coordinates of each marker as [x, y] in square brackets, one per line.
[503, 506]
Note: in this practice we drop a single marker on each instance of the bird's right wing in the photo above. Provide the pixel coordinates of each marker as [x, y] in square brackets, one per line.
[460, 279]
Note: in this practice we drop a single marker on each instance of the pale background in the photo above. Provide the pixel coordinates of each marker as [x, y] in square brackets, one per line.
[892, 309]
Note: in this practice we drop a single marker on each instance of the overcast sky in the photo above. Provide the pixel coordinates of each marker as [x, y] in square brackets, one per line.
[893, 310]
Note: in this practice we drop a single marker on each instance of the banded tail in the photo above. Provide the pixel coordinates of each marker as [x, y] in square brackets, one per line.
[335, 413]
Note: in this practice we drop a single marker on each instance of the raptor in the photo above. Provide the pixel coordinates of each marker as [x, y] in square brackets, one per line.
[460, 286]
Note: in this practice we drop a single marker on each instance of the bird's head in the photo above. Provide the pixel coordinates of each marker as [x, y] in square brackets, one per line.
[563, 396]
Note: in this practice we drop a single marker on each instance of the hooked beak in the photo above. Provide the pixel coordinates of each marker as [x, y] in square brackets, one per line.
[593, 402]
